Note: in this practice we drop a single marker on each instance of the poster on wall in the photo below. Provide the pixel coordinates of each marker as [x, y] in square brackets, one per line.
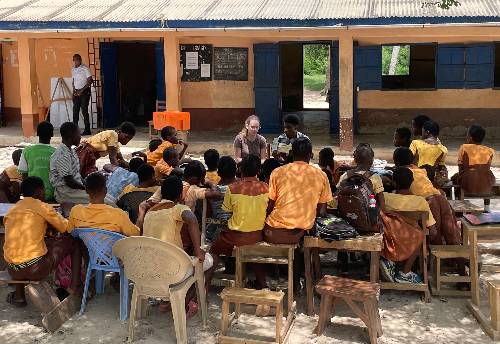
[231, 64]
[196, 62]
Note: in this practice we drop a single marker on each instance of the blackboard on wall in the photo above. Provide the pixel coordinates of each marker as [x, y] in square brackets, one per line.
[196, 62]
[231, 64]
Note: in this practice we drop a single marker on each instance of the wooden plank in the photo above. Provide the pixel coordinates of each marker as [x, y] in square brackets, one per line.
[450, 251]
[464, 206]
[235, 340]
[403, 286]
[61, 313]
[264, 260]
[455, 279]
[6, 278]
[252, 296]
[450, 292]
[42, 296]
[483, 321]
[362, 243]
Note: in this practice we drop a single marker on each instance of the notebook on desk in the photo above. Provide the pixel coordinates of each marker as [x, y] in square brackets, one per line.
[483, 218]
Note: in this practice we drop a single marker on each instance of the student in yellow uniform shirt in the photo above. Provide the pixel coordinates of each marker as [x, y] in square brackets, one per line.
[170, 140]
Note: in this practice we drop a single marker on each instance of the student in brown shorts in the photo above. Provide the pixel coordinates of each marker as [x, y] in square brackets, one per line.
[31, 255]
[247, 200]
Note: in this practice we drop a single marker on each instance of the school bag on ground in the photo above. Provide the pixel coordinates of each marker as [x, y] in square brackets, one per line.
[333, 228]
[357, 203]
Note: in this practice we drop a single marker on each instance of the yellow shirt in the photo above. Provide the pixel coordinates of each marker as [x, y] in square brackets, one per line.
[131, 188]
[25, 229]
[421, 185]
[101, 216]
[13, 174]
[162, 169]
[427, 153]
[103, 140]
[477, 154]
[155, 156]
[247, 199]
[165, 224]
[378, 185]
[297, 188]
[396, 202]
[192, 194]
[212, 177]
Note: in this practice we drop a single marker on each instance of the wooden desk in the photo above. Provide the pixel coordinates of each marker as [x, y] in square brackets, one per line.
[464, 206]
[370, 243]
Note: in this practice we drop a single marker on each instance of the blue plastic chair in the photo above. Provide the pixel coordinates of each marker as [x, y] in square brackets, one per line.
[101, 259]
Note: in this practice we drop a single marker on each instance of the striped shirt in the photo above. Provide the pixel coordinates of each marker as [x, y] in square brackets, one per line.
[64, 162]
[282, 141]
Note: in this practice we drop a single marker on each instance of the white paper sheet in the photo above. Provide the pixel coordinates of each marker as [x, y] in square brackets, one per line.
[191, 60]
[205, 70]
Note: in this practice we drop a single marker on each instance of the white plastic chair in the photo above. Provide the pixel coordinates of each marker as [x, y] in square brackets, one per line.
[161, 270]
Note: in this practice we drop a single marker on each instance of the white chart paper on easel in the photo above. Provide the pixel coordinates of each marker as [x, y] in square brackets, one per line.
[58, 112]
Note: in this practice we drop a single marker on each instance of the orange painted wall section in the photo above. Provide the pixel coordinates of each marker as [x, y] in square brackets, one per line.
[10, 68]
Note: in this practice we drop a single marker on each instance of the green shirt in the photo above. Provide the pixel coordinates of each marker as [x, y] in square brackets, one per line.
[35, 161]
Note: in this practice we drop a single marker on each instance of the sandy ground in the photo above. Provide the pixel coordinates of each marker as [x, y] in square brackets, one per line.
[405, 318]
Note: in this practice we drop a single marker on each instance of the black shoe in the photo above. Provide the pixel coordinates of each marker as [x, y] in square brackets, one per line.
[86, 132]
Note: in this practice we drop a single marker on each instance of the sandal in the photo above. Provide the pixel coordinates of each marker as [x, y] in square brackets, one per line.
[11, 298]
[192, 309]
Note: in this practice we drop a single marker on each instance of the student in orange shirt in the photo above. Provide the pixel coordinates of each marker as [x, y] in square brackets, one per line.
[170, 140]
[10, 180]
[29, 254]
[298, 192]
[447, 230]
[474, 163]
[167, 164]
[211, 158]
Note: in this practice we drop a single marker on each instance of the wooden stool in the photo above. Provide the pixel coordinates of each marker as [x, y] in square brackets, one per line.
[253, 297]
[54, 312]
[439, 252]
[265, 253]
[333, 289]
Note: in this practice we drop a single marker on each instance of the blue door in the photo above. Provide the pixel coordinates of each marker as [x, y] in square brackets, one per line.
[267, 86]
[334, 88]
[160, 71]
[109, 79]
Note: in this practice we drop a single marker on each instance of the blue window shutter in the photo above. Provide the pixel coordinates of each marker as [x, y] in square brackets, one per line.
[479, 65]
[450, 66]
[368, 67]
[160, 71]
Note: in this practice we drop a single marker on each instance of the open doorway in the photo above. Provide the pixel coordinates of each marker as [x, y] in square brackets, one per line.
[136, 81]
[316, 76]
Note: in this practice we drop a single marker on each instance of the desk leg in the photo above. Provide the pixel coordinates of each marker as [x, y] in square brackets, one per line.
[474, 267]
[374, 266]
[309, 280]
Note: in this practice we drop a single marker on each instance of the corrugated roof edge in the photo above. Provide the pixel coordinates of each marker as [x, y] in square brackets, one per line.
[201, 24]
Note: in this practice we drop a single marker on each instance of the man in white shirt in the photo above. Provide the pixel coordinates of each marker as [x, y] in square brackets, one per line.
[82, 79]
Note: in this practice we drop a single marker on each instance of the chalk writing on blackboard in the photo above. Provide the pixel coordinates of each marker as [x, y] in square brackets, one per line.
[231, 64]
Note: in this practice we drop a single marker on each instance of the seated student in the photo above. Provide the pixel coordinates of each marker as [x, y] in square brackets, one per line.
[176, 224]
[170, 140]
[226, 170]
[281, 145]
[211, 158]
[121, 177]
[105, 143]
[10, 180]
[153, 145]
[363, 159]
[447, 229]
[31, 255]
[409, 244]
[474, 163]
[65, 168]
[35, 159]
[268, 166]
[247, 200]
[97, 214]
[402, 137]
[417, 123]
[295, 186]
[329, 166]
[167, 164]
[147, 181]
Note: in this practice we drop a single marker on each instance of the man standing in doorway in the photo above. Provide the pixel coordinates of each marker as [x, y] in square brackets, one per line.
[82, 79]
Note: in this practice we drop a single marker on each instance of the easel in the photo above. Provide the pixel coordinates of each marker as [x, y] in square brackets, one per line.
[66, 95]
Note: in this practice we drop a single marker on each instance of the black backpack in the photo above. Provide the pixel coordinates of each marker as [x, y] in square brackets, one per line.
[353, 199]
[332, 228]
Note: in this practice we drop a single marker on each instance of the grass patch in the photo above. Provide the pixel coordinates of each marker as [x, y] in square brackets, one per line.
[314, 82]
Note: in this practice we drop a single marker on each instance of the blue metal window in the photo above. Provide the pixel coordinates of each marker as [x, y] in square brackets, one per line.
[479, 65]
[368, 67]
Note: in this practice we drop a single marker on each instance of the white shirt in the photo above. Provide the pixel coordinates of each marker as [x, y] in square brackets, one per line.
[80, 75]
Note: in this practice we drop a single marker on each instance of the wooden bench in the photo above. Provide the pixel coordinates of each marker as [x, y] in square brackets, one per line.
[334, 289]
[54, 312]
[490, 325]
[265, 253]
[463, 207]
[439, 252]
[240, 296]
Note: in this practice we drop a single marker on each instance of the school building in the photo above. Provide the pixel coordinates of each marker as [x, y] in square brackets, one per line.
[223, 60]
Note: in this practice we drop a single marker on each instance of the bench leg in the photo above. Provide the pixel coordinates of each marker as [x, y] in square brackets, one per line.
[309, 280]
[371, 322]
[325, 314]
[494, 308]
[290, 279]
[224, 318]
[279, 321]
[438, 274]
[374, 315]
[374, 266]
